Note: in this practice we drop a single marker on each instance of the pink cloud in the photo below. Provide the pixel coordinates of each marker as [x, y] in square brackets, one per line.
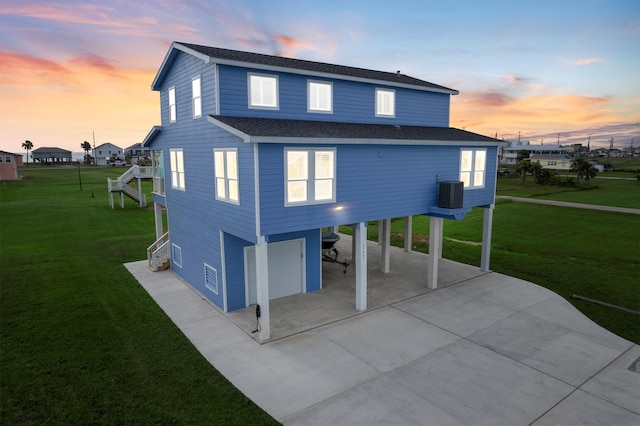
[491, 99]
[588, 61]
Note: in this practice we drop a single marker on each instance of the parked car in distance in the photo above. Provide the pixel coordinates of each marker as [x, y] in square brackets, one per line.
[503, 172]
[118, 163]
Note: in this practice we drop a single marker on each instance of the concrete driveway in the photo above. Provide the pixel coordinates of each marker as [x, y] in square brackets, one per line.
[489, 350]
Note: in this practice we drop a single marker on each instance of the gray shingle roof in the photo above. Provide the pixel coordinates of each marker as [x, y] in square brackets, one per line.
[307, 129]
[317, 67]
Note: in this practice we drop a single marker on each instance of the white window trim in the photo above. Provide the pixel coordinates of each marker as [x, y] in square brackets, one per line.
[277, 91]
[310, 107]
[173, 109]
[177, 176]
[214, 271]
[196, 114]
[380, 113]
[176, 254]
[310, 177]
[225, 176]
[473, 171]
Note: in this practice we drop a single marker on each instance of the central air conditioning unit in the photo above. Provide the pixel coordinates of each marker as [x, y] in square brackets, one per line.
[451, 195]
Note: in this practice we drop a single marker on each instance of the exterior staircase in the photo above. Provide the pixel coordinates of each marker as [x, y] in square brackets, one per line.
[121, 185]
[159, 254]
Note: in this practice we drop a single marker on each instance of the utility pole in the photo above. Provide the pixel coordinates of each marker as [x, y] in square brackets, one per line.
[95, 163]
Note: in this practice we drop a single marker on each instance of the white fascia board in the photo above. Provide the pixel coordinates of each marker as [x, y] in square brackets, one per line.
[364, 141]
[169, 57]
[245, 137]
[329, 75]
[155, 131]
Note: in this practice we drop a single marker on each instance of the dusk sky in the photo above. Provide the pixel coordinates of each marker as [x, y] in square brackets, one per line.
[541, 69]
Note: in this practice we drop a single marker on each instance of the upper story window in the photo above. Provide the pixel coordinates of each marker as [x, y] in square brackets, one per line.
[310, 176]
[385, 103]
[473, 163]
[7, 159]
[263, 91]
[226, 172]
[172, 104]
[196, 94]
[177, 169]
[320, 95]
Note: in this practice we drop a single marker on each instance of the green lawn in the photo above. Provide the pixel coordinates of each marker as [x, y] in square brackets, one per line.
[82, 342]
[602, 190]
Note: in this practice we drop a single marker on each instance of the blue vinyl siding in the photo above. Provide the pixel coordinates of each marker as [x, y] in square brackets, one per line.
[234, 268]
[373, 182]
[184, 69]
[352, 101]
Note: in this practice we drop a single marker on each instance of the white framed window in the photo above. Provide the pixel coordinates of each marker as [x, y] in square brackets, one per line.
[196, 95]
[320, 96]
[385, 103]
[473, 164]
[226, 173]
[176, 255]
[7, 159]
[310, 176]
[172, 105]
[263, 91]
[177, 169]
[211, 278]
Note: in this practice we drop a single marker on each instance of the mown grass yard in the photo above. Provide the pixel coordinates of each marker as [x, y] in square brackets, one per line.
[81, 341]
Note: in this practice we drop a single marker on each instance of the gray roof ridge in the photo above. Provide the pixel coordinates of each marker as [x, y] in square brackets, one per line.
[308, 65]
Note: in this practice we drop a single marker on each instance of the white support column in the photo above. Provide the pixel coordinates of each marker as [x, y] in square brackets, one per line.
[385, 241]
[262, 285]
[360, 258]
[140, 192]
[157, 213]
[435, 250]
[121, 194]
[441, 239]
[353, 243]
[486, 238]
[408, 233]
[111, 199]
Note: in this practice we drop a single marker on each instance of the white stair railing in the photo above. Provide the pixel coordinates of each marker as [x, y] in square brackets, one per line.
[158, 252]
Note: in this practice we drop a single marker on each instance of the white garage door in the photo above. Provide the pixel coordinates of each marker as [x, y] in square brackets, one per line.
[286, 270]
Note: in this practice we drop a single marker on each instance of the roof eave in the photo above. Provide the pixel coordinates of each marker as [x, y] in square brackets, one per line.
[153, 133]
[171, 53]
[366, 141]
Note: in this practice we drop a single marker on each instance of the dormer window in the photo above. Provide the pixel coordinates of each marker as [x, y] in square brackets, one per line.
[385, 103]
[263, 91]
[320, 96]
[172, 104]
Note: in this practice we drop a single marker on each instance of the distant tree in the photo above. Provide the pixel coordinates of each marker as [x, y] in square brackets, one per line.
[583, 169]
[86, 146]
[28, 146]
[524, 167]
[523, 154]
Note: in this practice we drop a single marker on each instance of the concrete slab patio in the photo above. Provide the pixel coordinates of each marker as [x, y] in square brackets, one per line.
[487, 349]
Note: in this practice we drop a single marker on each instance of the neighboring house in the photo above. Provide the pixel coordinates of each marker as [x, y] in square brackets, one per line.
[9, 164]
[106, 153]
[560, 162]
[257, 154]
[138, 152]
[509, 153]
[49, 155]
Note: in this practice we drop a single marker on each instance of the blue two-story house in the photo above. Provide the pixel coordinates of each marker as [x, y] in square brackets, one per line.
[257, 154]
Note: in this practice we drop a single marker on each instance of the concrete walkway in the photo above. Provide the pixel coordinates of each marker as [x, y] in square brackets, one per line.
[490, 350]
[568, 204]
